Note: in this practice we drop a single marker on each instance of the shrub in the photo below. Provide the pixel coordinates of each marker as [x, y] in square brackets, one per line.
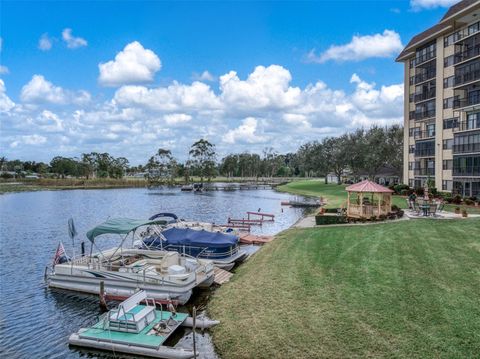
[382, 217]
[457, 199]
[323, 220]
[464, 213]
[331, 210]
[400, 214]
[395, 208]
[469, 202]
[400, 188]
[373, 218]
[420, 191]
[405, 192]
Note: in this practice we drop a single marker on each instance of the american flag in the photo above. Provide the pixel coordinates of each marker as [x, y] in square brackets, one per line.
[59, 253]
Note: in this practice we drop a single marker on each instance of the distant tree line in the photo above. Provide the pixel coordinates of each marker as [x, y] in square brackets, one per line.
[363, 151]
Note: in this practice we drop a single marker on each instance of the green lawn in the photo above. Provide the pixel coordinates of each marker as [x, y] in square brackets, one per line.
[408, 289]
[336, 195]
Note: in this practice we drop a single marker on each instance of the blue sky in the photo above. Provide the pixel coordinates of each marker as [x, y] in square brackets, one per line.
[299, 73]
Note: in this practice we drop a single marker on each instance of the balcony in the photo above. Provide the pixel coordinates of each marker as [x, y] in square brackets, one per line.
[467, 125]
[420, 135]
[472, 99]
[424, 96]
[466, 148]
[424, 77]
[466, 77]
[425, 57]
[421, 115]
[467, 32]
[424, 171]
[425, 152]
[469, 171]
[466, 55]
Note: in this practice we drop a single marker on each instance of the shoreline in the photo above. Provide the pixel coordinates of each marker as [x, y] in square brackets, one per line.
[76, 184]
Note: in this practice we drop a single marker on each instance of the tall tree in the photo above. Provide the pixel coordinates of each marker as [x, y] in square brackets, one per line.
[161, 167]
[203, 156]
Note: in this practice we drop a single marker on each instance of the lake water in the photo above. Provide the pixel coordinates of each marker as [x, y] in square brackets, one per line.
[35, 322]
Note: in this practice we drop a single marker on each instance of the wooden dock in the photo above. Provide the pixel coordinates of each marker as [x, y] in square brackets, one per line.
[271, 217]
[221, 276]
[248, 238]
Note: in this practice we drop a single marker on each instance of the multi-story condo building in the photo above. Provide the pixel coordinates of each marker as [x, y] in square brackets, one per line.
[442, 103]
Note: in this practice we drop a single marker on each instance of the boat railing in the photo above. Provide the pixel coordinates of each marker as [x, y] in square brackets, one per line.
[203, 253]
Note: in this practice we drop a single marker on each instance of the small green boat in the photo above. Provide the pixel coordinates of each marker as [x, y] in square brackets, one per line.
[134, 328]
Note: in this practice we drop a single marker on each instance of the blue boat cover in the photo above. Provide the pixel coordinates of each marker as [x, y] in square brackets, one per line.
[191, 237]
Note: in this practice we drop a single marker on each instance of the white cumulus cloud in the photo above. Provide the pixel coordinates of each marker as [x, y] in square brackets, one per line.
[29, 140]
[134, 64]
[6, 104]
[386, 44]
[40, 90]
[265, 87]
[246, 132]
[45, 43]
[431, 4]
[72, 41]
[204, 76]
[176, 118]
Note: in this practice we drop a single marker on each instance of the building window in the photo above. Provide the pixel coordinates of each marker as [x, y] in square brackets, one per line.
[448, 144]
[449, 40]
[448, 82]
[411, 183]
[448, 61]
[466, 166]
[412, 62]
[467, 143]
[411, 166]
[411, 149]
[450, 123]
[447, 185]
[447, 164]
[448, 103]
[430, 130]
[425, 148]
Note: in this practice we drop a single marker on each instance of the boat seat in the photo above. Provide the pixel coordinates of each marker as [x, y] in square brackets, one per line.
[130, 315]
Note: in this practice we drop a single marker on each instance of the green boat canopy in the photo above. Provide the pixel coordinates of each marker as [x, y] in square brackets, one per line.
[119, 226]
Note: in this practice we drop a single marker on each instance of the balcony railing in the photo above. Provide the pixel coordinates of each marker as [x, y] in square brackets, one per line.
[466, 171]
[424, 77]
[467, 77]
[425, 57]
[425, 152]
[465, 55]
[466, 148]
[421, 115]
[425, 96]
[418, 135]
[424, 171]
[467, 125]
[460, 35]
[470, 100]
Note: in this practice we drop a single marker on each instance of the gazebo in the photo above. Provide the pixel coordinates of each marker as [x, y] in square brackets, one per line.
[367, 199]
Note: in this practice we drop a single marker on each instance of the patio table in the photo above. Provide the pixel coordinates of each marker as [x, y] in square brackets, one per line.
[424, 208]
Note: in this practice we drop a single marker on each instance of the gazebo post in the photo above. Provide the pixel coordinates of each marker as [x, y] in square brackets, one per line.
[348, 203]
[379, 202]
[361, 204]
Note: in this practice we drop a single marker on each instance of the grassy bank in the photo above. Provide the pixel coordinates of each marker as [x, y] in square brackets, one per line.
[336, 195]
[404, 289]
[22, 185]
[68, 183]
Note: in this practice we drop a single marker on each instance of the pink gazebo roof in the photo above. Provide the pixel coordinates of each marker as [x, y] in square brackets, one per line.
[368, 186]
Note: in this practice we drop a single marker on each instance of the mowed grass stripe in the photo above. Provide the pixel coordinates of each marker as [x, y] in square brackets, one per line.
[405, 289]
